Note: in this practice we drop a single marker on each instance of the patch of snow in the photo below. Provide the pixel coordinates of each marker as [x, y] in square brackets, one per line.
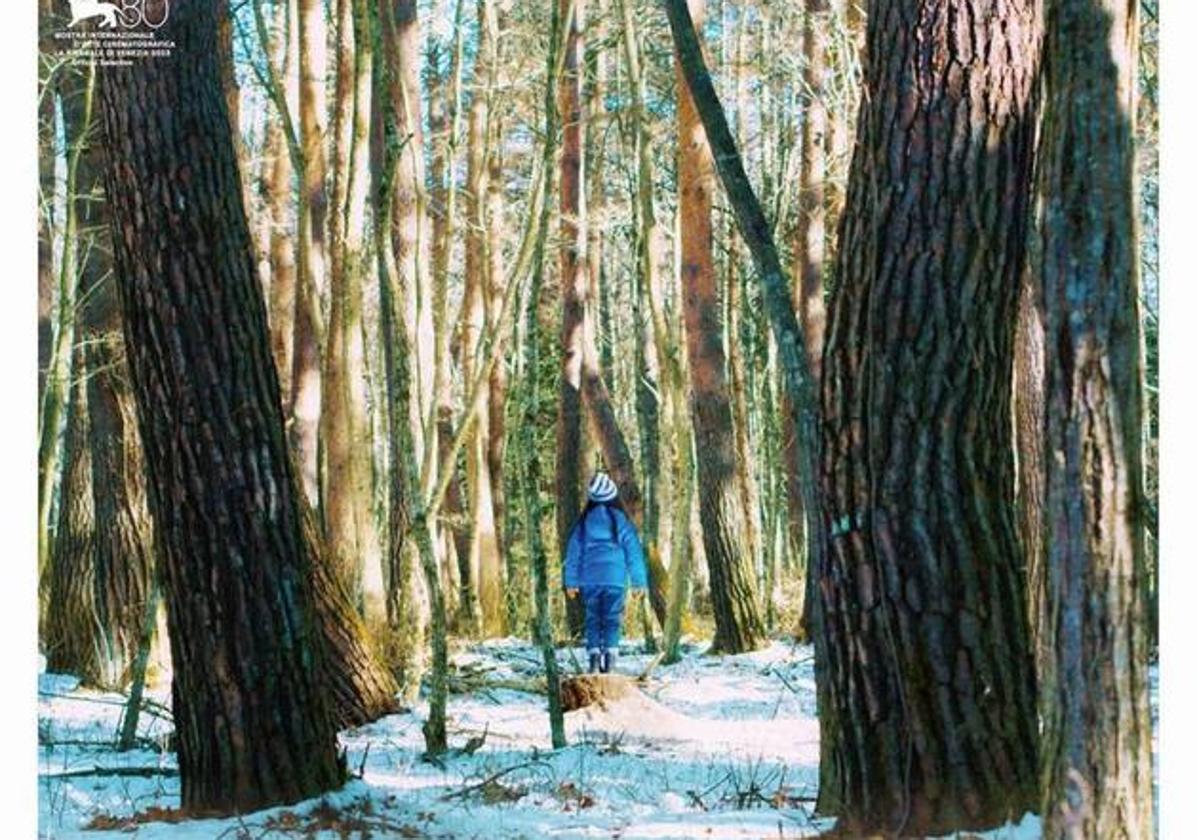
[715, 747]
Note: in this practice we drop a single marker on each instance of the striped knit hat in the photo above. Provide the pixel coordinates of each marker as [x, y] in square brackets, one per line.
[602, 488]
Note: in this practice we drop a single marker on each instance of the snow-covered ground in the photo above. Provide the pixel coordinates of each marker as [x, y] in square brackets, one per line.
[719, 747]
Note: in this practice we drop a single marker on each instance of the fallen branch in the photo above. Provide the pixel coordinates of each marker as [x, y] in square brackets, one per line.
[491, 779]
[139, 772]
[147, 744]
[463, 684]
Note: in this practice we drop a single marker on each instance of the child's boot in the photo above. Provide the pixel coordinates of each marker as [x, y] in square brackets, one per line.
[596, 660]
[608, 661]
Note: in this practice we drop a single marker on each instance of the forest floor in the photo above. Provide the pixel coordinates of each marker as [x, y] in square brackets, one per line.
[715, 747]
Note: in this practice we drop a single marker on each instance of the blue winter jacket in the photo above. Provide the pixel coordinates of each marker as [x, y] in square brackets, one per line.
[604, 550]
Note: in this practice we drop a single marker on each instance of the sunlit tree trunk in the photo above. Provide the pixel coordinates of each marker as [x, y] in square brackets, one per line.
[444, 119]
[1097, 724]
[278, 173]
[734, 295]
[535, 343]
[658, 415]
[485, 559]
[344, 431]
[572, 273]
[738, 626]
[305, 399]
[405, 243]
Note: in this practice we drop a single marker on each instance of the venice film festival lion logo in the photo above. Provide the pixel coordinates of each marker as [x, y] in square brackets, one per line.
[127, 13]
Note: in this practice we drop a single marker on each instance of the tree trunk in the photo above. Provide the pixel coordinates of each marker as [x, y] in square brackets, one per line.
[305, 399]
[124, 543]
[77, 103]
[810, 245]
[1097, 725]
[659, 344]
[409, 239]
[409, 514]
[276, 196]
[757, 234]
[411, 233]
[735, 296]
[46, 143]
[529, 438]
[931, 723]
[102, 573]
[253, 725]
[1029, 432]
[573, 287]
[485, 562]
[444, 110]
[344, 431]
[69, 639]
[738, 626]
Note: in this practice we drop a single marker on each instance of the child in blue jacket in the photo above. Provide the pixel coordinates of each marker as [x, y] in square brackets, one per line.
[603, 552]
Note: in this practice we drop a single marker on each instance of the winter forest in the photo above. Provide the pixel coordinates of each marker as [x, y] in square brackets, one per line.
[839, 318]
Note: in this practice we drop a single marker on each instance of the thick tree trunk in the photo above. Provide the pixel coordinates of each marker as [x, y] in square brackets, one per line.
[124, 544]
[69, 638]
[738, 626]
[77, 99]
[102, 572]
[735, 295]
[1097, 725]
[573, 287]
[929, 715]
[360, 689]
[253, 726]
[757, 234]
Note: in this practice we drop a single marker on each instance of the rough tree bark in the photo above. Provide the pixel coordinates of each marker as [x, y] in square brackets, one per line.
[572, 273]
[757, 234]
[738, 626]
[929, 713]
[253, 727]
[1094, 701]
[103, 566]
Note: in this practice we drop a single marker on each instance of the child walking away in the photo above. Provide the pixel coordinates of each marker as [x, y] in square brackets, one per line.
[602, 554]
